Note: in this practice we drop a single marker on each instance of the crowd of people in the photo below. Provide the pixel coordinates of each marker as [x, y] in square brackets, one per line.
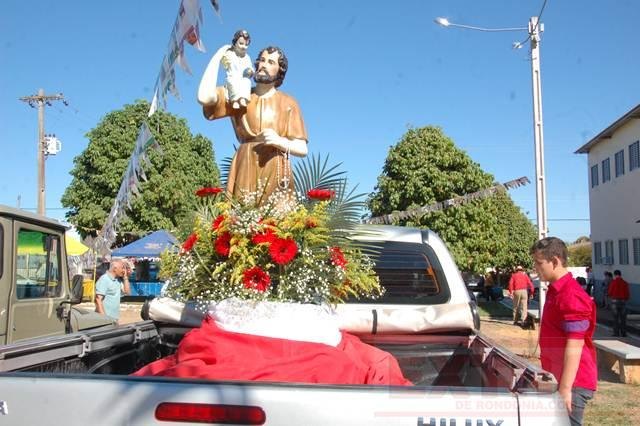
[612, 292]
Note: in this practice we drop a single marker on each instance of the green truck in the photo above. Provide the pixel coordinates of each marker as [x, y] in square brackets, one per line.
[36, 295]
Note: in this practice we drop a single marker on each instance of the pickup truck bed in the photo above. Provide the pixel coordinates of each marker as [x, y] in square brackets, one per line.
[463, 374]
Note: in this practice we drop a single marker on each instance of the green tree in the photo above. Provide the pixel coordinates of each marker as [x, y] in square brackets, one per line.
[166, 199]
[426, 167]
[580, 254]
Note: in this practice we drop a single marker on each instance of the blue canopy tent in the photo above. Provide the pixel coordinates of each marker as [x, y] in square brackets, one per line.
[147, 251]
[150, 246]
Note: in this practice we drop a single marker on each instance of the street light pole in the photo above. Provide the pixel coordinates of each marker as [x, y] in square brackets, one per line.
[534, 29]
[538, 134]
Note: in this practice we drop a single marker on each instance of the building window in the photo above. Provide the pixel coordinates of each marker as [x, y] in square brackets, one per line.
[608, 253]
[634, 155]
[606, 170]
[623, 251]
[597, 253]
[619, 163]
[594, 176]
[636, 251]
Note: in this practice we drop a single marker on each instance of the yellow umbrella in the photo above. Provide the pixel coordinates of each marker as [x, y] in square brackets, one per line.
[74, 247]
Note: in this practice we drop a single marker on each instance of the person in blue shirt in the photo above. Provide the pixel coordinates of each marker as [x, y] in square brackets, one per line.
[110, 287]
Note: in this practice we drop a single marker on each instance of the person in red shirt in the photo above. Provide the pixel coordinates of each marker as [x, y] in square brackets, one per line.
[619, 294]
[520, 289]
[566, 329]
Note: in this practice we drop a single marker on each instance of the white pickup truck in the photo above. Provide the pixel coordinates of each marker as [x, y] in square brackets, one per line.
[460, 377]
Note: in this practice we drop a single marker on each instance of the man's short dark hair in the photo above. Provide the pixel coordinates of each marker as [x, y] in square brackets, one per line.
[549, 248]
[617, 273]
[283, 63]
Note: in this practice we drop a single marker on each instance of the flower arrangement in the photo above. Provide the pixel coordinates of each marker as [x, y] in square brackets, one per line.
[289, 247]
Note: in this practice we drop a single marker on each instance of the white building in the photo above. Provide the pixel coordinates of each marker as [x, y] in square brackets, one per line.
[614, 200]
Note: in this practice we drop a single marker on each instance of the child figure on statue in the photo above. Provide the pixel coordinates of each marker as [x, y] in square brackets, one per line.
[239, 69]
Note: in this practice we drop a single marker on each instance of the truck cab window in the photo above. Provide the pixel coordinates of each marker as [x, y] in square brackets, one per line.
[38, 270]
[409, 273]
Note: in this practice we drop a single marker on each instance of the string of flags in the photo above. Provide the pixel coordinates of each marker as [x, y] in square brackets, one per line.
[129, 188]
[452, 202]
[186, 28]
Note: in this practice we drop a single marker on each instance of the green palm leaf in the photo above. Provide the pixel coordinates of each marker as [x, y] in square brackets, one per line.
[346, 207]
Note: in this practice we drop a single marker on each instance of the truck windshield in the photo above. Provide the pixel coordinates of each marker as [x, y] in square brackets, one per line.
[38, 265]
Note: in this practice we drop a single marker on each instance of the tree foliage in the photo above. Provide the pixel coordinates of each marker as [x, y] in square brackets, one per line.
[580, 254]
[166, 199]
[582, 239]
[426, 167]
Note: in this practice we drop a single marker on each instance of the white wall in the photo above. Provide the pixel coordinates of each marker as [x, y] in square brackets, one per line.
[615, 205]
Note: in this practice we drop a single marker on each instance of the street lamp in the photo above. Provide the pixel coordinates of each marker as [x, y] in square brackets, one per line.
[534, 29]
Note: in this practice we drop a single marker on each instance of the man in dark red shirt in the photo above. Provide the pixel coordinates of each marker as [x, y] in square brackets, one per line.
[520, 290]
[619, 294]
[566, 329]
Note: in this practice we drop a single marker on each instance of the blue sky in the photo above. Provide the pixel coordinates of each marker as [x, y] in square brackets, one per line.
[362, 72]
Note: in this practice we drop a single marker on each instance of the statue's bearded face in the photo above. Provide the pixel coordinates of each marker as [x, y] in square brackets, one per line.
[267, 70]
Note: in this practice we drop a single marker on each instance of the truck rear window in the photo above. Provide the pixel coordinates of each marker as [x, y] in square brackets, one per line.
[410, 274]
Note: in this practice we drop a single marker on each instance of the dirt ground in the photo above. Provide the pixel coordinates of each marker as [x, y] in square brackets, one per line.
[130, 312]
[523, 343]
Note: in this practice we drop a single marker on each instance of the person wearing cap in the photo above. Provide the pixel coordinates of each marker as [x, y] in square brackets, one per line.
[520, 289]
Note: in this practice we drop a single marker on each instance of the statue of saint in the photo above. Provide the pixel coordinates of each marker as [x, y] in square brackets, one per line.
[269, 129]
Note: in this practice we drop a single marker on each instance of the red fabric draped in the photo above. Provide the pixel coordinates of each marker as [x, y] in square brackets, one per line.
[209, 352]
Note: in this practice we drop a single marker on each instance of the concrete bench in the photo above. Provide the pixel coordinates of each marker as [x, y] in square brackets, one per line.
[625, 355]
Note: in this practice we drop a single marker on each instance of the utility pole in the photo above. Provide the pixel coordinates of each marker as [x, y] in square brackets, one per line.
[535, 28]
[40, 100]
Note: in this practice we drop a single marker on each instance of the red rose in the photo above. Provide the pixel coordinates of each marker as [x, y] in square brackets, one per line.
[256, 278]
[217, 222]
[320, 194]
[337, 257]
[283, 250]
[264, 237]
[207, 191]
[223, 244]
[189, 243]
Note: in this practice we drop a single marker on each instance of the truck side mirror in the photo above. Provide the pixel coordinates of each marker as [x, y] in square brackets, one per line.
[77, 288]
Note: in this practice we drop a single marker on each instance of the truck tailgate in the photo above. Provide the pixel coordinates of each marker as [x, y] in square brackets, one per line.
[120, 400]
